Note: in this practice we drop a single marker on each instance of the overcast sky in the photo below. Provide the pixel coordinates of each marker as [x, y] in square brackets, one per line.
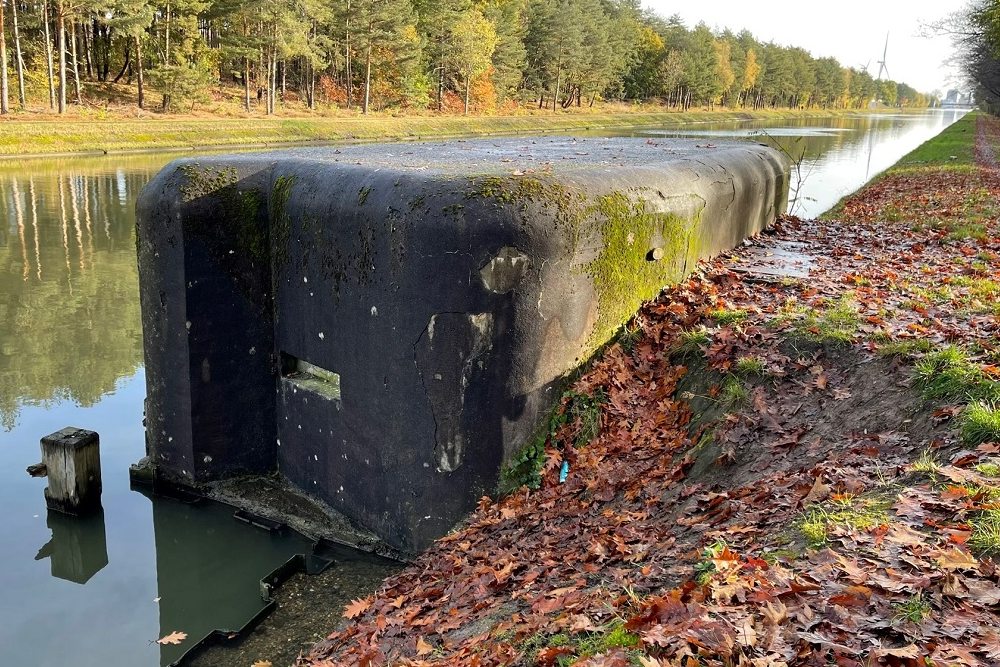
[852, 31]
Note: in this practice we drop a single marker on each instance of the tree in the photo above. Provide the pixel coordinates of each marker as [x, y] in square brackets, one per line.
[4, 98]
[438, 20]
[474, 41]
[133, 18]
[510, 55]
[383, 23]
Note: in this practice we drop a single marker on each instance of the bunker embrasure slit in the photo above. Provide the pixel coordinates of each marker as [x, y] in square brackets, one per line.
[310, 377]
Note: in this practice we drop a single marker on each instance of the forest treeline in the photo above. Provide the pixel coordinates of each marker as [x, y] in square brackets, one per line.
[448, 55]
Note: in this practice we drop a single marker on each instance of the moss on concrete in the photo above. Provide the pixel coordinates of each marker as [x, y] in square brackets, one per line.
[279, 220]
[627, 272]
[641, 250]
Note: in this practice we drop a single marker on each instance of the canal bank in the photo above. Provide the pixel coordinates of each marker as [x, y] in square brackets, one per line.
[62, 138]
[796, 460]
[71, 354]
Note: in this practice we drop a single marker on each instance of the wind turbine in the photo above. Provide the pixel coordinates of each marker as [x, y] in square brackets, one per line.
[881, 64]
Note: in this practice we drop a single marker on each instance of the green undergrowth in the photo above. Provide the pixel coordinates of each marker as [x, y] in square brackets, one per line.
[525, 468]
[836, 323]
[980, 422]
[581, 645]
[692, 342]
[705, 568]
[948, 373]
[849, 512]
[985, 537]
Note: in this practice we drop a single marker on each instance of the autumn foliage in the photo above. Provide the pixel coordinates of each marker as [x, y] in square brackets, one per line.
[771, 484]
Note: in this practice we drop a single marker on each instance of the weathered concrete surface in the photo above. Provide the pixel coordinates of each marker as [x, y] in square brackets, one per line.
[386, 323]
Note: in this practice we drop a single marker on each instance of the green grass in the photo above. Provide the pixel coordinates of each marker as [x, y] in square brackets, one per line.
[734, 394]
[905, 348]
[749, 366]
[837, 323]
[989, 469]
[914, 610]
[980, 422]
[949, 374]
[612, 636]
[985, 537]
[690, 342]
[926, 463]
[954, 147]
[856, 512]
[966, 231]
[726, 316]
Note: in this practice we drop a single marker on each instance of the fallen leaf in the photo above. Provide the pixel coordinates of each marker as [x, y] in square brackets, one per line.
[357, 607]
[818, 493]
[955, 559]
[423, 648]
[175, 637]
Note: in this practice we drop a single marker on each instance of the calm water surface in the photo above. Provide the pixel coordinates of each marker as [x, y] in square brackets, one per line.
[98, 592]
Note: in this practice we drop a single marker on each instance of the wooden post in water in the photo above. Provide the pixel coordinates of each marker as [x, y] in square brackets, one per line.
[72, 458]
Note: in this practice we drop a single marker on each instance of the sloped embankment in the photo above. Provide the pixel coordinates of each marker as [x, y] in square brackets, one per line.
[789, 459]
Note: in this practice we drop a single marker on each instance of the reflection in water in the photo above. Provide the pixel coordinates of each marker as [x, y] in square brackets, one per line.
[834, 149]
[208, 566]
[79, 547]
[68, 301]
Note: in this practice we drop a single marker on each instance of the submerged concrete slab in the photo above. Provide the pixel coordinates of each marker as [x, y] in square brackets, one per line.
[386, 324]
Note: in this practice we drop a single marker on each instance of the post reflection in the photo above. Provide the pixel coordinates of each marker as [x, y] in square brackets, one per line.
[79, 546]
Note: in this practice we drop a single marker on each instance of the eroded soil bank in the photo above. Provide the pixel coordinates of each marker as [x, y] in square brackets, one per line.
[791, 458]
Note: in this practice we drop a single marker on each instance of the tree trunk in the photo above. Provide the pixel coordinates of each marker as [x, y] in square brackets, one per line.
[284, 79]
[347, 56]
[126, 64]
[4, 93]
[311, 90]
[468, 89]
[555, 98]
[246, 84]
[85, 44]
[165, 103]
[440, 82]
[272, 82]
[48, 55]
[76, 67]
[138, 70]
[18, 59]
[368, 73]
[61, 45]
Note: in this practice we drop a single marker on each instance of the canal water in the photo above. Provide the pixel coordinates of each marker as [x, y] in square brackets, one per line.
[100, 592]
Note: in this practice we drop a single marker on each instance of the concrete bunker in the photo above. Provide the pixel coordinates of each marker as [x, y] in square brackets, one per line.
[386, 324]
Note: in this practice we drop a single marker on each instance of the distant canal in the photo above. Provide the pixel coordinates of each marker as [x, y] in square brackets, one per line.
[97, 593]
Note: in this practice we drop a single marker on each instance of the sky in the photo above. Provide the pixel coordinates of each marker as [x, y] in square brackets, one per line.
[852, 31]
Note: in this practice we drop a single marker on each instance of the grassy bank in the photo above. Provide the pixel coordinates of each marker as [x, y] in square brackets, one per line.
[785, 470]
[67, 136]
